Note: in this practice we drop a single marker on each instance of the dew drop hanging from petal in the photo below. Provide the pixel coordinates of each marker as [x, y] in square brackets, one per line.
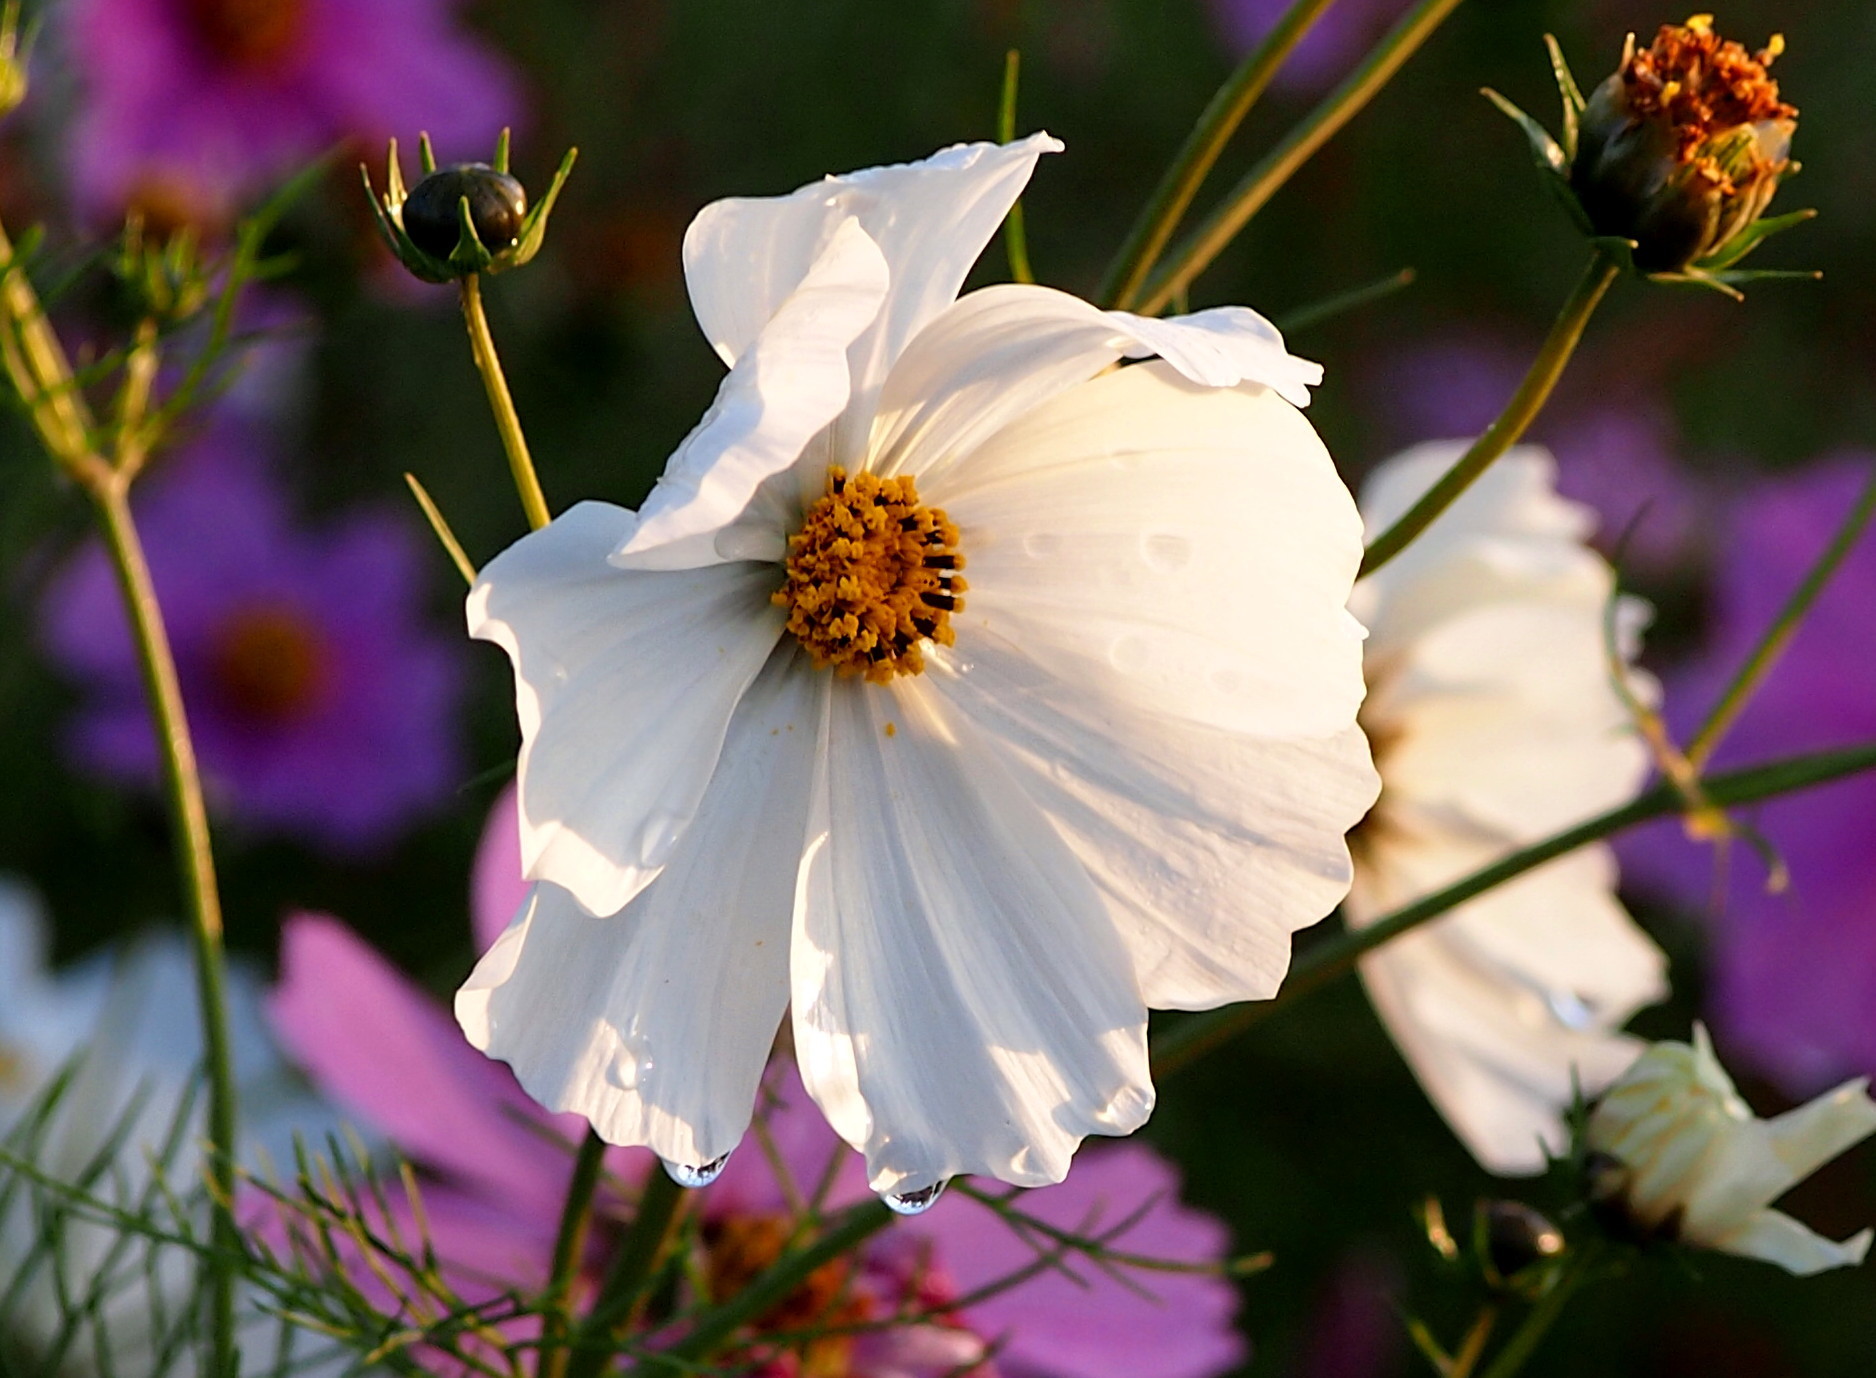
[700, 1175]
[914, 1202]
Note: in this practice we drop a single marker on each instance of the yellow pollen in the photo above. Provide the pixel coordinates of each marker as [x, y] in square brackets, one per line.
[872, 575]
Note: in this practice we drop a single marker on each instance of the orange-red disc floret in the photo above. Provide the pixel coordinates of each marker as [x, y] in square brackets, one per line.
[1704, 84]
[872, 574]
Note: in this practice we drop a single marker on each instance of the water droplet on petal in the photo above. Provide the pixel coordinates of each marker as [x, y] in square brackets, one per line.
[1166, 552]
[1571, 1012]
[1041, 545]
[686, 1175]
[914, 1202]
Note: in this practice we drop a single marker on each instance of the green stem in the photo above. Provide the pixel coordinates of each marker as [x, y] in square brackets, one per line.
[1525, 1339]
[183, 784]
[576, 1219]
[507, 421]
[718, 1325]
[1198, 1034]
[1015, 234]
[1783, 628]
[660, 1207]
[1512, 422]
[1220, 119]
[1298, 147]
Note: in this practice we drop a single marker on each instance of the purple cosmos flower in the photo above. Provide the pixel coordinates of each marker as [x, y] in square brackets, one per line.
[1794, 973]
[199, 103]
[321, 702]
[374, 1043]
[1327, 51]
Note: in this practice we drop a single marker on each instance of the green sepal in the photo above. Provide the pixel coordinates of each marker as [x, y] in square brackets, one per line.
[470, 255]
[1572, 95]
[1618, 250]
[500, 161]
[1549, 154]
[534, 223]
[1750, 238]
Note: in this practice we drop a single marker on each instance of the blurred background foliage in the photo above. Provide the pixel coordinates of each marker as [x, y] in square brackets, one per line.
[1309, 1135]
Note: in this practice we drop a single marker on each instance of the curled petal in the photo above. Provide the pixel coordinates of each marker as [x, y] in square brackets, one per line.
[1221, 348]
[784, 389]
[625, 681]
[655, 1023]
[931, 219]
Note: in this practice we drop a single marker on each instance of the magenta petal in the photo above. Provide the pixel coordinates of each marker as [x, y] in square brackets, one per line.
[1169, 1325]
[382, 1048]
[496, 886]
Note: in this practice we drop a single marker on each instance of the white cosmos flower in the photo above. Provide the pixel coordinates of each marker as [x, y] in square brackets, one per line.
[123, 1024]
[1686, 1156]
[1494, 724]
[1118, 778]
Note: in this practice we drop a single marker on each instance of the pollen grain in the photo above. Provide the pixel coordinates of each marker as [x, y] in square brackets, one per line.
[873, 574]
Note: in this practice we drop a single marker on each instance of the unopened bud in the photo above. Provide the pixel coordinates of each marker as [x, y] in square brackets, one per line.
[433, 212]
[462, 219]
[1514, 1244]
[1681, 149]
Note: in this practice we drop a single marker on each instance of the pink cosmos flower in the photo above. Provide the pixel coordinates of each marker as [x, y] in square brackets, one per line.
[322, 703]
[205, 102]
[393, 1056]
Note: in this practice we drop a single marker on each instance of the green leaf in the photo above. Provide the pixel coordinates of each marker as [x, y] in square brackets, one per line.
[1751, 237]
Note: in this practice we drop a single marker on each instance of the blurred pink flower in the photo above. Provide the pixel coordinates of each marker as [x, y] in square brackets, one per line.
[378, 1046]
[322, 703]
[206, 102]
[1794, 979]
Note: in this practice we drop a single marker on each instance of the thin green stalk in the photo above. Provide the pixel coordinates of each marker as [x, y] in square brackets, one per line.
[41, 373]
[507, 421]
[859, 1224]
[183, 784]
[660, 1207]
[576, 1220]
[1783, 628]
[1298, 147]
[1512, 422]
[1198, 1034]
[1015, 235]
[1220, 119]
[1525, 1339]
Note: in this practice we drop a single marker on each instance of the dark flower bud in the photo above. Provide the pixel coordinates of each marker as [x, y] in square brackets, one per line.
[462, 219]
[1681, 149]
[497, 204]
[1515, 1244]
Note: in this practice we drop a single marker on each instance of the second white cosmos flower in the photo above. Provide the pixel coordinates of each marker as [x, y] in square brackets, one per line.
[955, 694]
[1495, 724]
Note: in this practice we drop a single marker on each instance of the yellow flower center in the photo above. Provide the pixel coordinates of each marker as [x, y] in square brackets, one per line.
[872, 574]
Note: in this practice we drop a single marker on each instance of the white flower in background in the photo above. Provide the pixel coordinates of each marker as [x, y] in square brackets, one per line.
[1685, 1157]
[1494, 724]
[962, 847]
[124, 1026]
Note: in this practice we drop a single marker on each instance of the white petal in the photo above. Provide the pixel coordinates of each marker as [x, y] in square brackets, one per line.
[1762, 1159]
[962, 1002]
[1777, 1238]
[1508, 1004]
[1505, 714]
[788, 385]
[1222, 347]
[1188, 550]
[656, 1023]
[994, 355]
[743, 256]
[1210, 847]
[624, 685]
